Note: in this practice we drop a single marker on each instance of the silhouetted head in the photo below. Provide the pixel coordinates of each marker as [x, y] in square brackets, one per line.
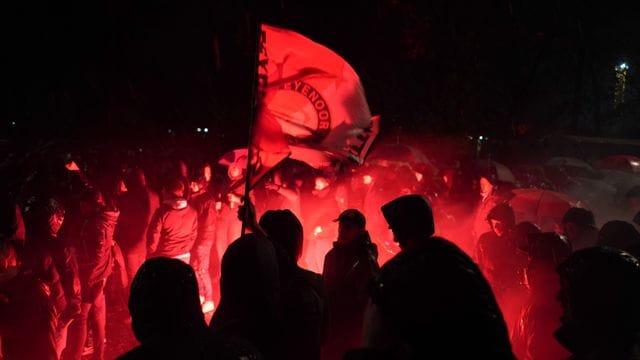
[576, 222]
[600, 297]
[174, 189]
[410, 218]
[521, 234]
[135, 180]
[620, 235]
[91, 200]
[164, 302]
[546, 252]
[502, 219]
[284, 228]
[351, 226]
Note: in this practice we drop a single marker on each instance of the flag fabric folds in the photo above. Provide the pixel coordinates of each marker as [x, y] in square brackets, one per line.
[312, 106]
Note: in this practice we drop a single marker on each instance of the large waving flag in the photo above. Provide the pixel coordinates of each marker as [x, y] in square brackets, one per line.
[316, 98]
[312, 106]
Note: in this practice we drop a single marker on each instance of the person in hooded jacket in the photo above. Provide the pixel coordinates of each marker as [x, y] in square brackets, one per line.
[174, 227]
[167, 319]
[533, 335]
[95, 262]
[250, 295]
[348, 269]
[27, 315]
[303, 301]
[430, 301]
[600, 296]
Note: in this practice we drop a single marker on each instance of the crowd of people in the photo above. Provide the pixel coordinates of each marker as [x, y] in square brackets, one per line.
[177, 256]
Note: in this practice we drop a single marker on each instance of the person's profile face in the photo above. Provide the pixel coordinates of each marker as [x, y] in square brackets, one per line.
[500, 228]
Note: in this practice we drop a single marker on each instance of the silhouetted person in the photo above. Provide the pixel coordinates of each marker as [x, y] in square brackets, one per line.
[302, 300]
[600, 297]
[579, 226]
[204, 202]
[540, 317]
[620, 235]
[27, 315]
[95, 261]
[348, 270]
[521, 234]
[431, 300]
[174, 226]
[137, 206]
[167, 319]
[502, 262]
[53, 261]
[250, 295]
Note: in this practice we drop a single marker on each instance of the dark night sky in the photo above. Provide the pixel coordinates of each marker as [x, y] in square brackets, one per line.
[127, 70]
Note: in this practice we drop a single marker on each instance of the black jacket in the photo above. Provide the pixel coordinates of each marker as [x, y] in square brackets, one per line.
[348, 271]
[205, 205]
[27, 320]
[173, 229]
[94, 249]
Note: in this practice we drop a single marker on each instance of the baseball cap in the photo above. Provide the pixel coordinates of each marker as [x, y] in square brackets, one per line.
[352, 215]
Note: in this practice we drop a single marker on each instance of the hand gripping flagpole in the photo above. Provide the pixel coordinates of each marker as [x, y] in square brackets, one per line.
[256, 97]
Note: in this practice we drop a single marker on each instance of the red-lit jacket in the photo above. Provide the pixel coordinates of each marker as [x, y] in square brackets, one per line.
[173, 229]
[94, 249]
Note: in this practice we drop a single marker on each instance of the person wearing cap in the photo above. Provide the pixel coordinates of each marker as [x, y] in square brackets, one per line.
[348, 269]
[579, 226]
[430, 301]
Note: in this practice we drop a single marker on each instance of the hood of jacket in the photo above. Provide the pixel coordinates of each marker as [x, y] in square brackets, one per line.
[176, 203]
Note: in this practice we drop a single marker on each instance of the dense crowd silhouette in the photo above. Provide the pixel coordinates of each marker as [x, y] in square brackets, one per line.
[177, 259]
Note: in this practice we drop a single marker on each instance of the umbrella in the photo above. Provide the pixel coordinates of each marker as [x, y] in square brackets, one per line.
[622, 181]
[627, 163]
[542, 207]
[501, 172]
[397, 153]
[568, 161]
[392, 155]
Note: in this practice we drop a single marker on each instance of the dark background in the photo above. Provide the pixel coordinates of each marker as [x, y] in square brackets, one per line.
[130, 71]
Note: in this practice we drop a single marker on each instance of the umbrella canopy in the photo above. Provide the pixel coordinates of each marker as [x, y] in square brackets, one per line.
[568, 161]
[627, 163]
[543, 207]
[397, 153]
[392, 155]
[500, 171]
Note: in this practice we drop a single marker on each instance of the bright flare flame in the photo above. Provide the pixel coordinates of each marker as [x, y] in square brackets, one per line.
[321, 183]
[317, 231]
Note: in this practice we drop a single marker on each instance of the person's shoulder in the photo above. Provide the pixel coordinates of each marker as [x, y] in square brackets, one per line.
[134, 354]
[311, 276]
[331, 253]
[487, 237]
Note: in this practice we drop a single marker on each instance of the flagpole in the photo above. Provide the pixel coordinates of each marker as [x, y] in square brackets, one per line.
[255, 102]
